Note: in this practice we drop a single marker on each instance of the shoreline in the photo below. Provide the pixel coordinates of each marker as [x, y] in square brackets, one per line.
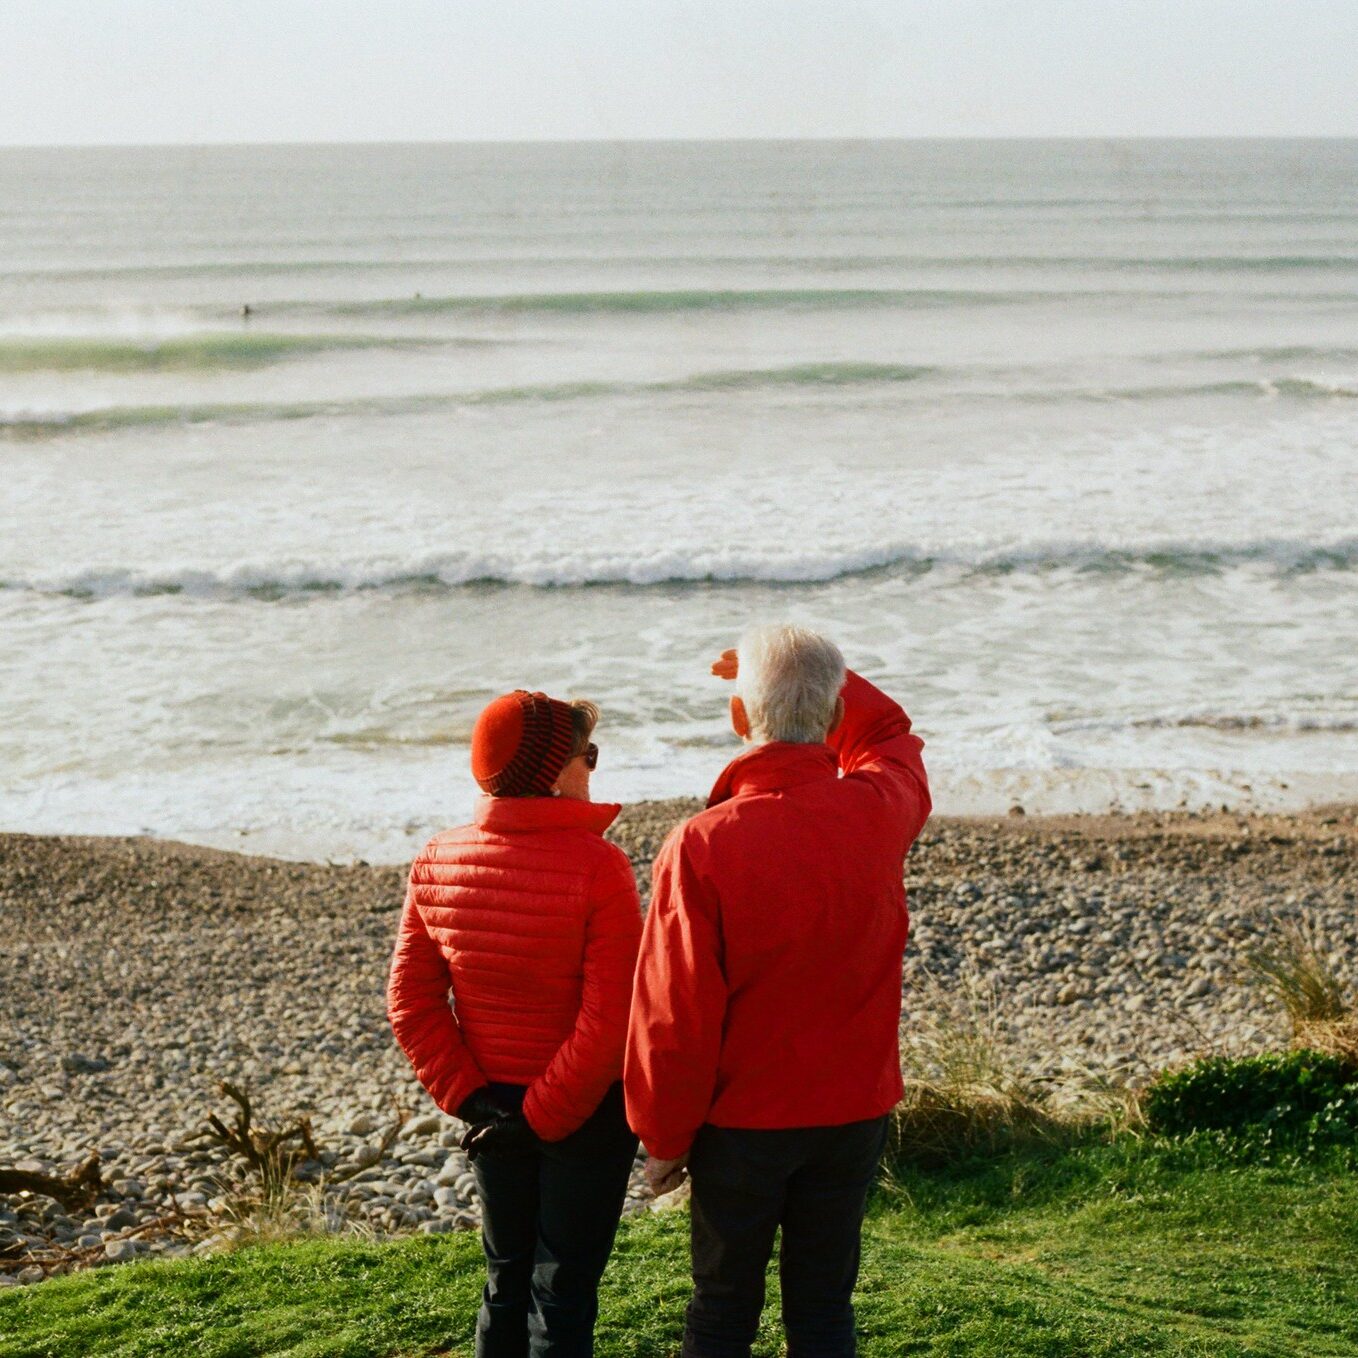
[1049, 796]
[141, 972]
[640, 822]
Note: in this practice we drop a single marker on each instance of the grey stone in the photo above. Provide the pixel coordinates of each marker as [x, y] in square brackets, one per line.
[74, 1063]
[425, 1157]
[438, 1226]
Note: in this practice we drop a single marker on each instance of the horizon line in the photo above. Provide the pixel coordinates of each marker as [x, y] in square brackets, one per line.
[683, 141]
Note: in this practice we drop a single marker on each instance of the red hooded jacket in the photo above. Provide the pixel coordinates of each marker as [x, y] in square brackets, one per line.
[768, 989]
[531, 918]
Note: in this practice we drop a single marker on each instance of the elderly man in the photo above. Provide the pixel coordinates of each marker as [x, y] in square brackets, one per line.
[762, 1053]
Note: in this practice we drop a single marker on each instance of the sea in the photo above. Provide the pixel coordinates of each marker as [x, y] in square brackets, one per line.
[309, 451]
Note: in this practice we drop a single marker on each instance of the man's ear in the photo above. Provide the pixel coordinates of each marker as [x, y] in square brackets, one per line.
[740, 719]
[837, 718]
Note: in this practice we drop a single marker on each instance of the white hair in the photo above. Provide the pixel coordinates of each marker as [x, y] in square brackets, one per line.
[789, 679]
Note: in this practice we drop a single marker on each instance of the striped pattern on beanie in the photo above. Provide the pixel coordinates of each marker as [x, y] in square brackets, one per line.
[545, 747]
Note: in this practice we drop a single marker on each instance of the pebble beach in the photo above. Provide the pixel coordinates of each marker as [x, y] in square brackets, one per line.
[137, 974]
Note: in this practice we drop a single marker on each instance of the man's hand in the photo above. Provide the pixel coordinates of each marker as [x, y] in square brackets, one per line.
[727, 666]
[664, 1176]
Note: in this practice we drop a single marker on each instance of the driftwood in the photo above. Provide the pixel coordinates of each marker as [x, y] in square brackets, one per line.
[388, 1139]
[75, 1190]
[59, 1258]
[270, 1153]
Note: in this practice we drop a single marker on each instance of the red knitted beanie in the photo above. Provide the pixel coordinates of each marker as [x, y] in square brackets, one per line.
[521, 743]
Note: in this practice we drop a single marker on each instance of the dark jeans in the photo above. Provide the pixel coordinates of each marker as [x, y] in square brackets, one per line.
[811, 1181]
[548, 1218]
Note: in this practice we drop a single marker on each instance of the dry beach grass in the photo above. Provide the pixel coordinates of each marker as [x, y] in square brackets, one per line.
[1050, 959]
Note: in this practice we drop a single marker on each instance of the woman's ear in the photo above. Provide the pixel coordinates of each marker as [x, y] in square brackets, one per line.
[740, 719]
[572, 781]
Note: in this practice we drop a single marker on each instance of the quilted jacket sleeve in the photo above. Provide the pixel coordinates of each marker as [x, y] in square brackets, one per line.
[590, 1059]
[678, 1009]
[420, 1015]
[874, 742]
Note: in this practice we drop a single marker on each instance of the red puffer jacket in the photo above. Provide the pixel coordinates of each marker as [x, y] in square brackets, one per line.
[532, 919]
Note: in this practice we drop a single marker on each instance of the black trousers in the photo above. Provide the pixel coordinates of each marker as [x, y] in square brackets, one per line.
[812, 1182]
[548, 1218]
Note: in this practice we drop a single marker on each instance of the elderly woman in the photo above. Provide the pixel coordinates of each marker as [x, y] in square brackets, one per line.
[528, 920]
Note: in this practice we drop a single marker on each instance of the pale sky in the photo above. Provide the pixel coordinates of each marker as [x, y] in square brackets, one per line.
[133, 71]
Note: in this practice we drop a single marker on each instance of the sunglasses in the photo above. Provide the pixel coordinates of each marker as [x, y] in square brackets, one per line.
[590, 754]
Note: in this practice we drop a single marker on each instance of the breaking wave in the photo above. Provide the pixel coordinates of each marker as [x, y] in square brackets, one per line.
[1294, 388]
[682, 300]
[23, 422]
[34, 423]
[718, 566]
[183, 353]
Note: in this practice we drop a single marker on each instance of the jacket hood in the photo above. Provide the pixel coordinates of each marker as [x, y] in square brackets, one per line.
[773, 767]
[507, 814]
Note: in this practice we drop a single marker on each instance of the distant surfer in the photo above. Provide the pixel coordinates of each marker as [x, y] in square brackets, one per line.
[247, 311]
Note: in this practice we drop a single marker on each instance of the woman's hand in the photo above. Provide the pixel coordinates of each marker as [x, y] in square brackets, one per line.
[481, 1106]
[727, 666]
[510, 1134]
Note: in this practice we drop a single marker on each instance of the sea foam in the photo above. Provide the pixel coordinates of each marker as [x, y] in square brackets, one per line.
[581, 567]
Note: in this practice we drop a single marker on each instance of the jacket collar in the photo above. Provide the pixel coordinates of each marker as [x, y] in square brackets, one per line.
[508, 814]
[773, 768]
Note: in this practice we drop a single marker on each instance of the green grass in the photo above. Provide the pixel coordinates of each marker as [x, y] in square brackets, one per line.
[1099, 1250]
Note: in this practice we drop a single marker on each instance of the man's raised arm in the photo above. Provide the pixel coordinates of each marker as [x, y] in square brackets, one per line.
[873, 740]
